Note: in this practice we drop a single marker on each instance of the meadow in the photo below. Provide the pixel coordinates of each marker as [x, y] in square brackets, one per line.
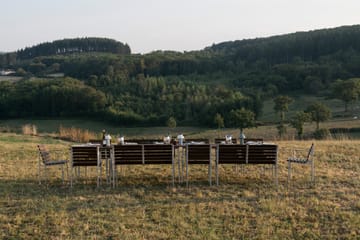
[246, 205]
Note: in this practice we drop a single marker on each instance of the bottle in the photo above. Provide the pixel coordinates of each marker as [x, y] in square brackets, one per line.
[103, 138]
[108, 140]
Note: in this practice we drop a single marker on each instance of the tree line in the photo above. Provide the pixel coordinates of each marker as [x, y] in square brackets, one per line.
[192, 87]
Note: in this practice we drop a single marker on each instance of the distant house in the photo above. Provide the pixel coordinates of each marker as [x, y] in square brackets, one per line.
[6, 72]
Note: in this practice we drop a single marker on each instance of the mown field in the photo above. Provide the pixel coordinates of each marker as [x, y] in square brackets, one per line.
[144, 205]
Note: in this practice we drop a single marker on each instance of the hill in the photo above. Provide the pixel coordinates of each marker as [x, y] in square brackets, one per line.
[191, 86]
[77, 45]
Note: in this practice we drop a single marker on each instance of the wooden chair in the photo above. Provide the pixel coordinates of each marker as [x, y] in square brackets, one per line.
[198, 154]
[307, 160]
[85, 156]
[46, 160]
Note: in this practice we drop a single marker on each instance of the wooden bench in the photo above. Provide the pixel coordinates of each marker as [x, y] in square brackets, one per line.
[143, 154]
[198, 154]
[246, 154]
[85, 156]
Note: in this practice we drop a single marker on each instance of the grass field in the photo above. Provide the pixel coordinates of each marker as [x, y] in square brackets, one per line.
[246, 205]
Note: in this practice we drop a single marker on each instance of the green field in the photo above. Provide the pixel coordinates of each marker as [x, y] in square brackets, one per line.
[144, 205]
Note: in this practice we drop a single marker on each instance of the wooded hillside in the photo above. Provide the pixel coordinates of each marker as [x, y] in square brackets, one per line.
[191, 86]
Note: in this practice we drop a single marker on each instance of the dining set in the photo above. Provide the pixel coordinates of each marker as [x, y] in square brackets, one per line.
[177, 153]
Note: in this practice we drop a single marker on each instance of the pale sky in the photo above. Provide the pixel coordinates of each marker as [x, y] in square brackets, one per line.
[179, 25]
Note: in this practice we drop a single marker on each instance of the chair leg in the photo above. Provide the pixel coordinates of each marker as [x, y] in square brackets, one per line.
[71, 177]
[62, 173]
[289, 173]
[312, 172]
[178, 162]
[39, 172]
[187, 173]
[209, 172]
[276, 175]
[216, 168]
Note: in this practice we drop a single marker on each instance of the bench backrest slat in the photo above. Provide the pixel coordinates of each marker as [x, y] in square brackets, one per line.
[243, 154]
[84, 156]
[262, 154]
[158, 153]
[143, 154]
[198, 153]
[232, 153]
[128, 154]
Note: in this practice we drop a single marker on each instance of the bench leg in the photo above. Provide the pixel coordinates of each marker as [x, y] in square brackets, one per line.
[173, 173]
[217, 169]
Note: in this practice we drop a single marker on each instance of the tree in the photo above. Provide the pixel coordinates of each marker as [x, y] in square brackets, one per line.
[282, 105]
[242, 118]
[346, 90]
[319, 113]
[219, 120]
[298, 121]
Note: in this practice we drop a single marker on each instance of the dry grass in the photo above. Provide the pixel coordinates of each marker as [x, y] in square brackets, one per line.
[246, 205]
[29, 129]
[76, 134]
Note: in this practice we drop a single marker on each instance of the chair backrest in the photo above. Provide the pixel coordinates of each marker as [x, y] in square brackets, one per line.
[231, 153]
[158, 153]
[220, 140]
[128, 154]
[198, 153]
[262, 154]
[44, 153]
[311, 152]
[85, 156]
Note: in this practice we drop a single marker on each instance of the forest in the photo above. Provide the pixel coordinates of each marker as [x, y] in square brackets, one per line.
[100, 78]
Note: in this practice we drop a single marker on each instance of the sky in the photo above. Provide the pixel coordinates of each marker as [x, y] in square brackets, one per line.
[178, 25]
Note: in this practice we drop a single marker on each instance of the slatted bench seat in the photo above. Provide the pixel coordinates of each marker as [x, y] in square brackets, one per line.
[246, 154]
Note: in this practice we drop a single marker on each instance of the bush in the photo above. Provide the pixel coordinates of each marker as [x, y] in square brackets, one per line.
[322, 133]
